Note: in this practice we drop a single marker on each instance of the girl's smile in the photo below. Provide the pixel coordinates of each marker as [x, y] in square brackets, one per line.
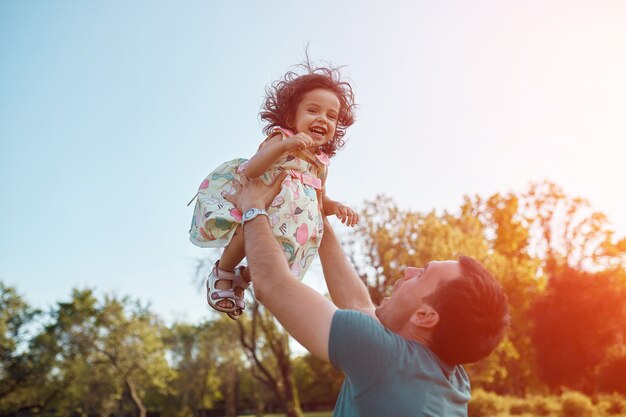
[317, 115]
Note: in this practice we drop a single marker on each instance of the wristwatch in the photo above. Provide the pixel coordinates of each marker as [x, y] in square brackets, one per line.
[251, 213]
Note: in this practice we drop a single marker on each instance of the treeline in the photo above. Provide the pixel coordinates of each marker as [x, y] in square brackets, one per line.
[561, 264]
[112, 356]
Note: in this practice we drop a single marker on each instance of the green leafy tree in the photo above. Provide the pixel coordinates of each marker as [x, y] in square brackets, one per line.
[26, 360]
[266, 345]
[318, 382]
[389, 239]
[112, 354]
[208, 361]
[192, 355]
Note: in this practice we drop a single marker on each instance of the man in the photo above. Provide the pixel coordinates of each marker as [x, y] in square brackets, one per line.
[402, 358]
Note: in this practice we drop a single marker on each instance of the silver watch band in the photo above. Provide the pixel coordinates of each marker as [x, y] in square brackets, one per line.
[252, 213]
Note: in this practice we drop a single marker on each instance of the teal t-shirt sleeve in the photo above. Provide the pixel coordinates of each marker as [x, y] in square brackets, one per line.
[360, 346]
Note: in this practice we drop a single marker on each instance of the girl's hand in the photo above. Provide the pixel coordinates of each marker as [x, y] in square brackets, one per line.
[347, 216]
[297, 142]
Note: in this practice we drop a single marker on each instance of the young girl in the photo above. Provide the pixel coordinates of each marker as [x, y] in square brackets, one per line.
[307, 116]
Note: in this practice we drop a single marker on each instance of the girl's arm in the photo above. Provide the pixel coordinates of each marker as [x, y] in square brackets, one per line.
[347, 216]
[273, 149]
[329, 205]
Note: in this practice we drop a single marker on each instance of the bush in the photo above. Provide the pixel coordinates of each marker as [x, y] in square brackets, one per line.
[612, 405]
[515, 415]
[544, 406]
[569, 404]
[536, 405]
[575, 404]
[486, 404]
[610, 377]
[520, 406]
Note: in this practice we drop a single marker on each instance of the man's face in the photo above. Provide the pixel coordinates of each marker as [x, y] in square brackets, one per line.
[409, 292]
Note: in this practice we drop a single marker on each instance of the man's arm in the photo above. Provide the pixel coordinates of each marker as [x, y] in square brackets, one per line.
[346, 288]
[304, 313]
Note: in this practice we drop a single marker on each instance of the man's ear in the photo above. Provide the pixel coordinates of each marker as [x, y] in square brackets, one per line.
[425, 317]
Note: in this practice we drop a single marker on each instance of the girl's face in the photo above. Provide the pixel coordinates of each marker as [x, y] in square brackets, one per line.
[317, 114]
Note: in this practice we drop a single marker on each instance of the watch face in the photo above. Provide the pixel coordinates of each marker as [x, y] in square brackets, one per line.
[252, 213]
[249, 214]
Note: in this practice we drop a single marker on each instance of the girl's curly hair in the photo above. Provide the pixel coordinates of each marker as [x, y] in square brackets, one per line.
[284, 95]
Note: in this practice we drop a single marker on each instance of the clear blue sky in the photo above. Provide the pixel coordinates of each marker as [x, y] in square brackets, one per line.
[112, 112]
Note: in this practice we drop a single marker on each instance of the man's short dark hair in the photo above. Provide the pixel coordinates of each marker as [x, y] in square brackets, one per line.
[473, 314]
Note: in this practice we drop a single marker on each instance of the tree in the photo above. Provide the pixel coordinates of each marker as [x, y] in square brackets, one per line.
[194, 357]
[208, 361]
[567, 232]
[318, 382]
[113, 348]
[389, 239]
[577, 321]
[568, 238]
[266, 344]
[26, 362]
[611, 372]
[511, 368]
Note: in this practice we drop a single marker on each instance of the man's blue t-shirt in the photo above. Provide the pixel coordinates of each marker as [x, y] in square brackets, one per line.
[388, 375]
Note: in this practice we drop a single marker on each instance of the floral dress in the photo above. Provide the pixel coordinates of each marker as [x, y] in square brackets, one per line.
[295, 215]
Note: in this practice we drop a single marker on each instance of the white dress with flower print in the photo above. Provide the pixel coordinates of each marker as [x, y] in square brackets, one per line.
[295, 215]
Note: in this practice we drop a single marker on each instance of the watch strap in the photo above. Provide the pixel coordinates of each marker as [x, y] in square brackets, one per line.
[252, 213]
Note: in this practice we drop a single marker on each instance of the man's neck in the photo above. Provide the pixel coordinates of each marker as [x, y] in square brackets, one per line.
[419, 334]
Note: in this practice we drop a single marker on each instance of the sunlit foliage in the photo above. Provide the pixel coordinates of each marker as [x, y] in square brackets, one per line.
[560, 263]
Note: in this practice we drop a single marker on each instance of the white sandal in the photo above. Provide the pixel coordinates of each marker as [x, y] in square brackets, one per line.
[215, 295]
[240, 303]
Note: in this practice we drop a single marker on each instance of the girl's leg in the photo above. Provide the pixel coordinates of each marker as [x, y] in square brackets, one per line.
[233, 253]
[231, 257]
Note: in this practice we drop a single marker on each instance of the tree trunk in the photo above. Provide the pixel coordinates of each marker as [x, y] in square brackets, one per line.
[290, 395]
[230, 391]
[141, 409]
[293, 408]
[259, 407]
[280, 380]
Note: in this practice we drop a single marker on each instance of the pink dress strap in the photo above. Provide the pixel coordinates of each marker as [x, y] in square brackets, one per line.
[307, 179]
[287, 132]
[323, 158]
